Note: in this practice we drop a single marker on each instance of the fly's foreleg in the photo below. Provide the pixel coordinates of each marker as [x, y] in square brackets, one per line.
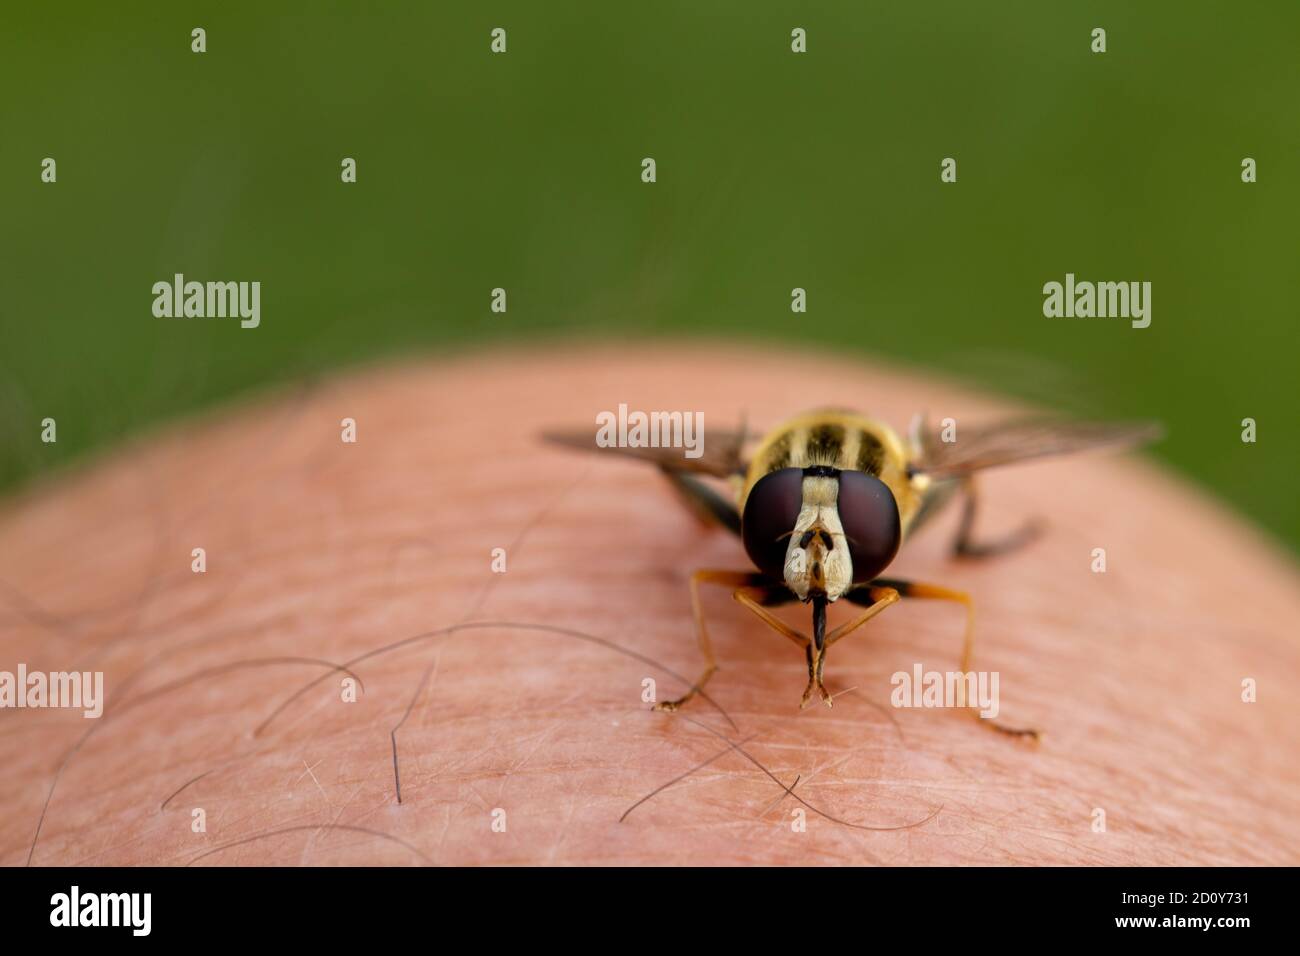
[733, 579]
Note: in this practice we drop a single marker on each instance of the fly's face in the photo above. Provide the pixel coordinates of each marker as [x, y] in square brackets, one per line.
[821, 530]
[817, 559]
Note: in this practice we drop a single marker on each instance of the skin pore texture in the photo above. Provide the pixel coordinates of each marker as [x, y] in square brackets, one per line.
[524, 736]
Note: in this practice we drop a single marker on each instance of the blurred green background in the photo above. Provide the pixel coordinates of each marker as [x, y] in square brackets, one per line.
[775, 170]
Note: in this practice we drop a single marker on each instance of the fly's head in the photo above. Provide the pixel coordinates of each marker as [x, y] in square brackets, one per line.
[821, 530]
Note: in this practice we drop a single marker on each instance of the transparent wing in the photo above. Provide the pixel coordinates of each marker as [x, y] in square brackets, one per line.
[720, 451]
[1004, 443]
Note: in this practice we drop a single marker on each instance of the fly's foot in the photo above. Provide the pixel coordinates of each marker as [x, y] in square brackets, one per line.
[821, 690]
[1028, 732]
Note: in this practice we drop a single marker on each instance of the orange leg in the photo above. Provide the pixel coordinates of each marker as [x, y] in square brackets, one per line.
[733, 579]
[914, 589]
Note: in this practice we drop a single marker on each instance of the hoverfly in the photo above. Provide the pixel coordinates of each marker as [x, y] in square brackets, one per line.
[825, 501]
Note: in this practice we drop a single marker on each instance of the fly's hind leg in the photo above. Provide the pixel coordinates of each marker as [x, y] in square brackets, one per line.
[915, 589]
[965, 547]
[705, 503]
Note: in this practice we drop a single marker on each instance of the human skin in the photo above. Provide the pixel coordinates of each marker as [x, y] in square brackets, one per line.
[320, 551]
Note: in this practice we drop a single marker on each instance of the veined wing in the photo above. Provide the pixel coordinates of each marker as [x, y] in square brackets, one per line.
[1004, 443]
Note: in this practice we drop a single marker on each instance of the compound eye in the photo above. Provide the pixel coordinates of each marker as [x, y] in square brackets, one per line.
[869, 515]
[771, 511]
